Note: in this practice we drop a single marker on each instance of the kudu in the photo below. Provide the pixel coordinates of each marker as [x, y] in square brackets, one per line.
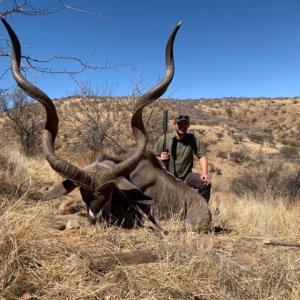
[110, 183]
[170, 195]
[97, 182]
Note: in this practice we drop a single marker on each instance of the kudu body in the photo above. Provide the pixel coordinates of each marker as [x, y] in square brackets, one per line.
[147, 181]
[109, 186]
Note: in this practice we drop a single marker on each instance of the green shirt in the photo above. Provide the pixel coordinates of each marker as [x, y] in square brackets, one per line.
[181, 152]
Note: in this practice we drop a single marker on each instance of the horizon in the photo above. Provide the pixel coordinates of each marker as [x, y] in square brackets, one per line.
[180, 99]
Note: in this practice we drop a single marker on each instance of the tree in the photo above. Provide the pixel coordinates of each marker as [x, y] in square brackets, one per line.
[25, 118]
[96, 122]
[93, 130]
[220, 135]
[103, 121]
[33, 8]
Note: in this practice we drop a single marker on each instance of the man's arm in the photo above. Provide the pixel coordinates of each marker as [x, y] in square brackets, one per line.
[200, 152]
[204, 168]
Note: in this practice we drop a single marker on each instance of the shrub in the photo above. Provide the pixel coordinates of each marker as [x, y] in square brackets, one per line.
[272, 181]
[291, 185]
[246, 184]
[229, 111]
[222, 154]
[238, 138]
[25, 119]
[214, 169]
[219, 171]
[220, 135]
[258, 137]
[239, 156]
[16, 178]
[288, 142]
[289, 151]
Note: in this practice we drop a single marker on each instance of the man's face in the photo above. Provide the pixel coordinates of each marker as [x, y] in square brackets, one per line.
[181, 127]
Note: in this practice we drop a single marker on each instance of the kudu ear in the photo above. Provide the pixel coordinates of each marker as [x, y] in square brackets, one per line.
[132, 192]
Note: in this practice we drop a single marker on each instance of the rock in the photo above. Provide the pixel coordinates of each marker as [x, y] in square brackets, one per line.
[25, 296]
[71, 206]
[72, 224]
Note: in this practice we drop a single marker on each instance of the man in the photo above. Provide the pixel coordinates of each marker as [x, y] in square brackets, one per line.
[178, 155]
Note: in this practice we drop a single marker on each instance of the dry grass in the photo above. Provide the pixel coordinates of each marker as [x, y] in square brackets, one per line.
[40, 261]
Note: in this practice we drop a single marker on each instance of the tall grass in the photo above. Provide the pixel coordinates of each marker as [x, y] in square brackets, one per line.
[40, 261]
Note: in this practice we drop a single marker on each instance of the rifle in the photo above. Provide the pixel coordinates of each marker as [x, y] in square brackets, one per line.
[165, 130]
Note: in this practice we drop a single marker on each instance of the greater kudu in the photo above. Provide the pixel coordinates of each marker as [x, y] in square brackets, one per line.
[98, 181]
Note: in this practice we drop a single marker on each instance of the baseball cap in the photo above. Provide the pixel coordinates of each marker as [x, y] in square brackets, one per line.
[180, 117]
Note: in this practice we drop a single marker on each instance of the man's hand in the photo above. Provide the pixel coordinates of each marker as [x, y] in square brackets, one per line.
[205, 178]
[164, 156]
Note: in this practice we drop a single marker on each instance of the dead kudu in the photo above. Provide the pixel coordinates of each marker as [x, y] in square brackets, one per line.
[111, 186]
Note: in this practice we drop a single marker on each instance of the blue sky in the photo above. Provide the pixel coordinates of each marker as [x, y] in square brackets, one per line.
[225, 48]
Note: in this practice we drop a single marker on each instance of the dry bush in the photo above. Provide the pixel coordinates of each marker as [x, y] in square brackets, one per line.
[258, 137]
[240, 155]
[220, 135]
[23, 119]
[222, 154]
[98, 123]
[213, 169]
[269, 181]
[229, 111]
[289, 151]
[238, 138]
[22, 176]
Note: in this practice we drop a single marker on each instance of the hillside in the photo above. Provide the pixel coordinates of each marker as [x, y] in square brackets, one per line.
[253, 149]
[239, 134]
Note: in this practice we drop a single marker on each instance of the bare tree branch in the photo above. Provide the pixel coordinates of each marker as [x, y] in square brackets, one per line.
[72, 7]
[42, 65]
[25, 7]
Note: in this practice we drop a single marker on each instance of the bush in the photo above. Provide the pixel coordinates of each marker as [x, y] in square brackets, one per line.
[222, 154]
[214, 169]
[229, 111]
[288, 142]
[289, 151]
[258, 137]
[239, 156]
[238, 138]
[25, 119]
[220, 135]
[272, 182]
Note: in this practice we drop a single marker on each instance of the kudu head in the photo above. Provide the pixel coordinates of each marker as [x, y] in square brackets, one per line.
[95, 184]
